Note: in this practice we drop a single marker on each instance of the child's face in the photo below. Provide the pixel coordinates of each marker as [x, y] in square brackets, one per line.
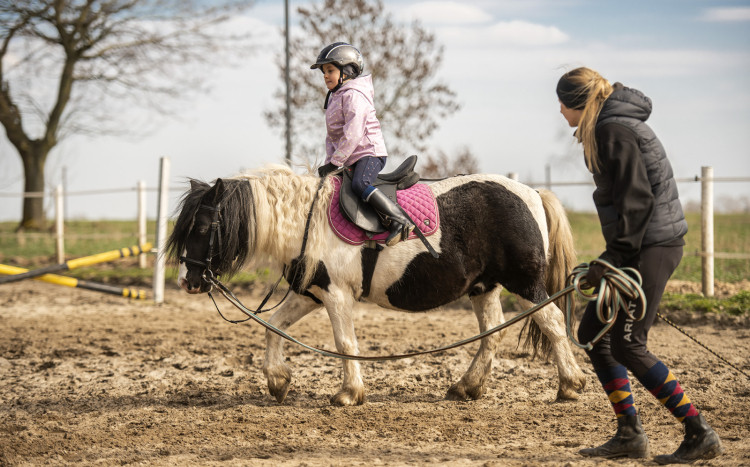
[331, 75]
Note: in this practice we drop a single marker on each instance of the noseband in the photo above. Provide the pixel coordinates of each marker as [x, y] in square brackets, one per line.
[215, 235]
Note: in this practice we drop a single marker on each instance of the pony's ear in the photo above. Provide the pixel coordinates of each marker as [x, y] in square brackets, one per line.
[218, 190]
[194, 184]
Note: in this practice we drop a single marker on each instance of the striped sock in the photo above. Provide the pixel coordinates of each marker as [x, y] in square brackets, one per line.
[617, 386]
[665, 387]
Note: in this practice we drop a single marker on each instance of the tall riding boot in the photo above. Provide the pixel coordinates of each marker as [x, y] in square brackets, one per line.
[701, 442]
[390, 214]
[629, 441]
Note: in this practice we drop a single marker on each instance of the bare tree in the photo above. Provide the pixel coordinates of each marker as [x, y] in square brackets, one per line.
[65, 65]
[404, 61]
[440, 164]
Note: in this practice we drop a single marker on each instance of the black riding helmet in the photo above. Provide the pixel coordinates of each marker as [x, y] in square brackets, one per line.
[345, 56]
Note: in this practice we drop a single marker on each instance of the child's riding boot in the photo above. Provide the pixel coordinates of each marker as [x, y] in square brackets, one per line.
[629, 441]
[390, 214]
[701, 442]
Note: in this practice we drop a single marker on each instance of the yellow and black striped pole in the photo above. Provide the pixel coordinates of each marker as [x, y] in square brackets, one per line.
[77, 263]
[73, 282]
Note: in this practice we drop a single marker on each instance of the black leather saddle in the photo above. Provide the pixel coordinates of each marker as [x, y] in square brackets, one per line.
[359, 211]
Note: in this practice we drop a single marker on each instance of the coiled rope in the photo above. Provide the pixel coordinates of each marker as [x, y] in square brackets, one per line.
[618, 291]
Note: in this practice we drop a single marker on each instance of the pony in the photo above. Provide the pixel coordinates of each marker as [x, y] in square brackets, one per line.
[494, 233]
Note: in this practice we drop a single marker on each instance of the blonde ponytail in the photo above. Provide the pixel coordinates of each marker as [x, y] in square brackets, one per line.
[597, 90]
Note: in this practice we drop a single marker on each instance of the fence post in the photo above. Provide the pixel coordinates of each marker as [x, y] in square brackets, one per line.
[142, 221]
[707, 230]
[59, 225]
[513, 176]
[161, 231]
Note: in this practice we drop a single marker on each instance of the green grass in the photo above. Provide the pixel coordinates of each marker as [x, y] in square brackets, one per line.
[731, 235]
[736, 305]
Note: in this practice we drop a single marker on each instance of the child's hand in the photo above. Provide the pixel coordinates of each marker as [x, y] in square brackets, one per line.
[326, 169]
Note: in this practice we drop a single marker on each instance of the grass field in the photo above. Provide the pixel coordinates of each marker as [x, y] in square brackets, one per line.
[83, 238]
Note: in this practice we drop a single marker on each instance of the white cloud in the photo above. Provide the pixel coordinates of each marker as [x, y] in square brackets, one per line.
[444, 13]
[722, 15]
[525, 33]
[501, 35]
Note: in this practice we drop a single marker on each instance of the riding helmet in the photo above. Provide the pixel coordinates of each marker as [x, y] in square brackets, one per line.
[340, 54]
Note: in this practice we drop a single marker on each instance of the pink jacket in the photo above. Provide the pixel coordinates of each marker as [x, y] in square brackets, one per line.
[353, 129]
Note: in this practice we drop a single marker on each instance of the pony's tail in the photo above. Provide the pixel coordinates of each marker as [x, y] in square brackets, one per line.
[561, 259]
[562, 251]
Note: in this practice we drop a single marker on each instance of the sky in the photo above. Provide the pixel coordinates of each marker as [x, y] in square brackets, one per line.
[502, 58]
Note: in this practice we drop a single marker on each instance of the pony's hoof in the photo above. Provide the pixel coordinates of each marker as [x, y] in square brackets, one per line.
[566, 395]
[569, 390]
[279, 383]
[348, 397]
[459, 392]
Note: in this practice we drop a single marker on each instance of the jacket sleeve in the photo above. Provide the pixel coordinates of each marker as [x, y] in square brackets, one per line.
[356, 109]
[622, 162]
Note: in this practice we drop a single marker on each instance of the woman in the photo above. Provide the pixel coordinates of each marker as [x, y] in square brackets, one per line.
[643, 225]
[354, 136]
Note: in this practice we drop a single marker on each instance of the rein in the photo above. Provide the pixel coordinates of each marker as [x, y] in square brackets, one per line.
[330, 353]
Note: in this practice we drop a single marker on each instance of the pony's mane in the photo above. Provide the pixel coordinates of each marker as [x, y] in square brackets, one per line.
[282, 201]
[262, 212]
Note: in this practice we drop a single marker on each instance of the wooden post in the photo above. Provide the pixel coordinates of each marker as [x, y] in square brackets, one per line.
[142, 221]
[707, 230]
[59, 225]
[513, 176]
[161, 231]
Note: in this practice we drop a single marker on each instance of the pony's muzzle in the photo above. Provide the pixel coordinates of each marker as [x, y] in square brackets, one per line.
[192, 282]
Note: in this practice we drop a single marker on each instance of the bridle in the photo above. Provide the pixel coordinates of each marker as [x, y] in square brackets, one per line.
[212, 278]
[215, 235]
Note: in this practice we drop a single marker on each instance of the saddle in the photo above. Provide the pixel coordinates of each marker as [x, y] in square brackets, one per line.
[355, 222]
[358, 211]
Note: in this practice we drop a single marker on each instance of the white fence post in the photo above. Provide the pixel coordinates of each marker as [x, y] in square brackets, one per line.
[59, 225]
[142, 221]
[707, 230]
[161, 231]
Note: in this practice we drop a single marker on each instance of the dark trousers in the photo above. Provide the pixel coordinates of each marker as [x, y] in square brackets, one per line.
[366, 170]
[626, 341]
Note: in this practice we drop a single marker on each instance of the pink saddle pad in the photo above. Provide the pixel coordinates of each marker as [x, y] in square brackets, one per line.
[417, 200]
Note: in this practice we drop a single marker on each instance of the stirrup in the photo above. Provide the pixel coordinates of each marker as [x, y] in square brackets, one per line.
[399, 234]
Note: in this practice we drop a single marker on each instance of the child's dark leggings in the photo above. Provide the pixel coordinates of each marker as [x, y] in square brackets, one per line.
[366, 170]
[625, 343]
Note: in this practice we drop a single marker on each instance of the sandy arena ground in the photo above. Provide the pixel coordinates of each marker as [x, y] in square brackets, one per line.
[88, 378]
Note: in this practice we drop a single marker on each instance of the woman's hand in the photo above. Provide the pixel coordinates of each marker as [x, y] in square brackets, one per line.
[595, 274]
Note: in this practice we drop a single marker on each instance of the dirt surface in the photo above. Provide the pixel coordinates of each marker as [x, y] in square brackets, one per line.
[88, 378]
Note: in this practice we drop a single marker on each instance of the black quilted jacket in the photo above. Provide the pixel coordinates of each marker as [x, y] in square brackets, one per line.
[636, 195]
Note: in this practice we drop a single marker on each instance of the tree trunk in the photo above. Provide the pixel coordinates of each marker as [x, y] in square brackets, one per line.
[33, 207]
